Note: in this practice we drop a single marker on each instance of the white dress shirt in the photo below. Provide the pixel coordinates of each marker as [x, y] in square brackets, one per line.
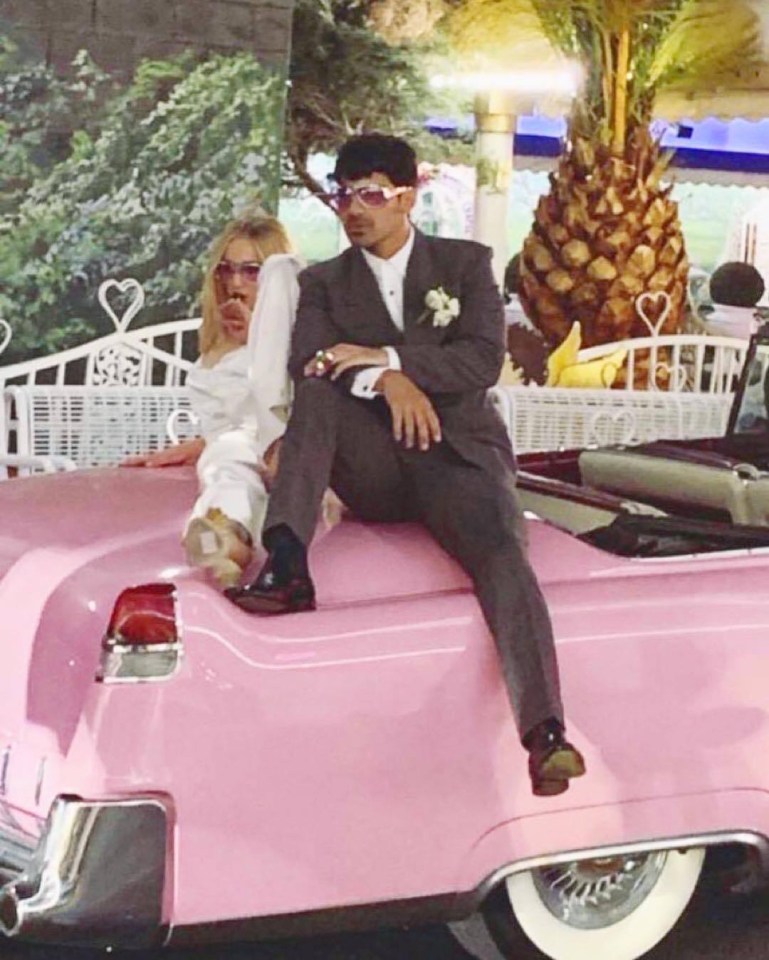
[390, 275]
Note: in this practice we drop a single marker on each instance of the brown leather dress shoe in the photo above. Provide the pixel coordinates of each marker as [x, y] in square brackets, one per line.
[553, 761]
[269, 594]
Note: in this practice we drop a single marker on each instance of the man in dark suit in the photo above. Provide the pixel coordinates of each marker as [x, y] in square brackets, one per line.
[396, 343]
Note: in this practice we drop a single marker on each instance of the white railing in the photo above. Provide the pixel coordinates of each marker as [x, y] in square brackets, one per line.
[562, 418]
[5, 334]
[677, 362]
[101, 401]
[143, 357]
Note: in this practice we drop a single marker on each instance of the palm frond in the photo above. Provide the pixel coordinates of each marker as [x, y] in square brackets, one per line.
[629, 49]
[498, 33]
[708, 42]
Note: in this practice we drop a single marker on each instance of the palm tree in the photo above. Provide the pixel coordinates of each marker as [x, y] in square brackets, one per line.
[608, 229]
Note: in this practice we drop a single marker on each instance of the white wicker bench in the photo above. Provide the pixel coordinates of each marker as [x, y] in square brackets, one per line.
[687, 382]
[676, 363]
[97, 403]
[94, 426]
[553, 418]
[94, 404]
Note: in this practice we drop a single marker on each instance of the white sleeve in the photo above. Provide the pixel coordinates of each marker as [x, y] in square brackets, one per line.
[269, 344]
[393, 360]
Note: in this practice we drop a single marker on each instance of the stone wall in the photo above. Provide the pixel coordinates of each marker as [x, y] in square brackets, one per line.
[119, 33]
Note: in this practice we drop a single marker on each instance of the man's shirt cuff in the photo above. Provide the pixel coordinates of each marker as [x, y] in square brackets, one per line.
[393, 360]
[365, 381]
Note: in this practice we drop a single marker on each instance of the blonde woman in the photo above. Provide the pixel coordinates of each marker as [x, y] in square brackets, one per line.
[240, 391]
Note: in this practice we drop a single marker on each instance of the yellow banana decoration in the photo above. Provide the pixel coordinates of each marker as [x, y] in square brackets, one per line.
[563, 369]
[601, 372]
[564, 355]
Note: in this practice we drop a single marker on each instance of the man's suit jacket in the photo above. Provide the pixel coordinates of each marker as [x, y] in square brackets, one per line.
[340, 302]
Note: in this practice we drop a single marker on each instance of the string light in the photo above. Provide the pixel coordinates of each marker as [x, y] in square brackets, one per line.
[565, 81]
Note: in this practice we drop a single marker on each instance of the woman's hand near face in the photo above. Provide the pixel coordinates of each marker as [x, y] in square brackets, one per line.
[235, 317]
[185, 454]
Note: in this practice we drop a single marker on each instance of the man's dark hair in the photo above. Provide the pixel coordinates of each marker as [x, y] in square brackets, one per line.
[377, 153]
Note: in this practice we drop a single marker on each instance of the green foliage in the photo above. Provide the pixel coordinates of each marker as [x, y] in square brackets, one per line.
[43, 118]
[346, 78]
[678, 44]
[140, 188]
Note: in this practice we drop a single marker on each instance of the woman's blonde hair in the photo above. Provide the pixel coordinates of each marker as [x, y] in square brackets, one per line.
[268, 236]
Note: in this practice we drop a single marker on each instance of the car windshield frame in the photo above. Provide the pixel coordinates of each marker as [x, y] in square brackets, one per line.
[749, 414]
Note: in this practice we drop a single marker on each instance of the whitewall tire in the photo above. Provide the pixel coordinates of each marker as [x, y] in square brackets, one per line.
[615, 908]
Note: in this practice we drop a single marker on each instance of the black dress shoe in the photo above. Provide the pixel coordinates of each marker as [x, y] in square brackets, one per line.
[553, 761]
[271, 594]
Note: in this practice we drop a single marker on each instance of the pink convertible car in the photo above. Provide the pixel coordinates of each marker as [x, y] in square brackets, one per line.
[173, 770]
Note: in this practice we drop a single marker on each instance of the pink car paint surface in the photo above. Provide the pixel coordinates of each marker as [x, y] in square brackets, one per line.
[363, 755]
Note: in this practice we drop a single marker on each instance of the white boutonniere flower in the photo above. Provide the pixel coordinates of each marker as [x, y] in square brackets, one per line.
[441, 306]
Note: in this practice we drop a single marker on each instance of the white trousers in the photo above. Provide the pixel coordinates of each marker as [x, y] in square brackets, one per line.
[228, 480]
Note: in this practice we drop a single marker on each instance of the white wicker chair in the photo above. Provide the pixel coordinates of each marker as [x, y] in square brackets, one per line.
[97, 403]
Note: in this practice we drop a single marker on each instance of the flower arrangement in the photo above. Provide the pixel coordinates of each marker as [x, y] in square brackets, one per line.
[441, 306]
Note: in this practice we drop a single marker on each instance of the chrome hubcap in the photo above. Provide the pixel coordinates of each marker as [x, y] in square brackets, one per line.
[590, 894]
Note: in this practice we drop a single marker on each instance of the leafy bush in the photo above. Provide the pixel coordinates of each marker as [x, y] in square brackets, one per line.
[143, 180]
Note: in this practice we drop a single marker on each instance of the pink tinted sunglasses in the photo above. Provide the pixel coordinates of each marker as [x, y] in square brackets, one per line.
[226, 270]
[370, 195]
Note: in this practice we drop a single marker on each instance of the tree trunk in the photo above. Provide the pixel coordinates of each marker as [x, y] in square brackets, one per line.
[620, 95]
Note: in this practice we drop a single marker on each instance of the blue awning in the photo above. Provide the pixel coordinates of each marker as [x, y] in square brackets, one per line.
[712, 150]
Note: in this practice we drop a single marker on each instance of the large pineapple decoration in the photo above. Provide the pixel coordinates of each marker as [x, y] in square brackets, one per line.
[608, 230]
[605, 233]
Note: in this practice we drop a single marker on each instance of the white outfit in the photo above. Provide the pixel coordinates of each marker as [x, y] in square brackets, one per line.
[390, 276]
[243, 401]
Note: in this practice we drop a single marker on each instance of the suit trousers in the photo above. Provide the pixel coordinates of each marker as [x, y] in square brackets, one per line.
[335, 439]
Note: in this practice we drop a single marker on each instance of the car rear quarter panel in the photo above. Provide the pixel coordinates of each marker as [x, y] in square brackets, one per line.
[366, 752]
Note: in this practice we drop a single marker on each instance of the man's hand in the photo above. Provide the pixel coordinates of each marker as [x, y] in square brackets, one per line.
[343, 356]
[184, 454]
[414, 417]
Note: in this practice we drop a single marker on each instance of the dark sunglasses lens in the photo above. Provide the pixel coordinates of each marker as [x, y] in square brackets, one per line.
[341, 199]
[250, 272]
[372, 196]
[224, 270]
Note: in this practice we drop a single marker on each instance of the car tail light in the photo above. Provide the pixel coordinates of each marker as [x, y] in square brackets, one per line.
[142, 640]
[144, 615]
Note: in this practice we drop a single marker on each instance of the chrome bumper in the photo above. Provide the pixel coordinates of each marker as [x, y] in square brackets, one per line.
[95, 878]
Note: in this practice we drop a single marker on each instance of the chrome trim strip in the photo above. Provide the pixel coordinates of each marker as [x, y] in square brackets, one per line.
[96, 878]
[744, 837]
[4, 770]
[39, 781]
[123, 663]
